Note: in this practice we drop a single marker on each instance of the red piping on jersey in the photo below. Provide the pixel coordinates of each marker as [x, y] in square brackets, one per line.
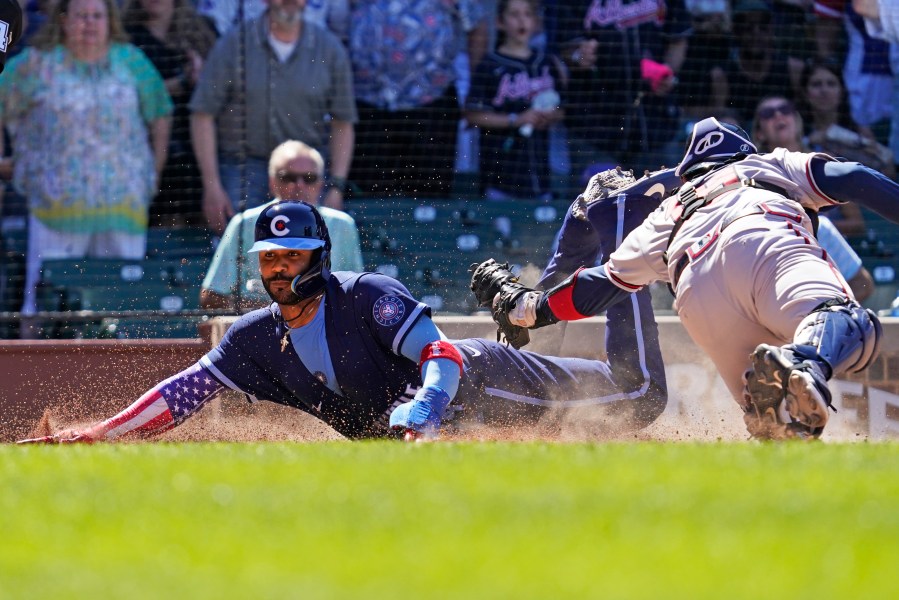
[441, 349]
[780, 213]
[621, 282]
[811, 180]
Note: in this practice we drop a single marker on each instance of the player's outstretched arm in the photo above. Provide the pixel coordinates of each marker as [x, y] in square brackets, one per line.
[441, 370]
[163, 407]
[585, 293]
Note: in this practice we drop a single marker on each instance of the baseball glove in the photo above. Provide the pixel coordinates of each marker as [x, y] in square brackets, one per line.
[498, 289]
[601, 186]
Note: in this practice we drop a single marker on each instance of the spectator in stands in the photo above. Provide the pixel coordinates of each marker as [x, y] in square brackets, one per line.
[882, 22]
[514, 99]
[331, 14]
[756, 69]
[865, 62]
[778, 124]
[90, 120]
[34, 13]
[792, 31]
[271, 79]
[829, 126]
[623, 58]
[846, 260]
[709, 47]
[403, 53]
[176, 40]
[295, 172]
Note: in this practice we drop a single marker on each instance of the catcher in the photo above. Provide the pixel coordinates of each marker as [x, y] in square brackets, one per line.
[358, 352]
[752, 286]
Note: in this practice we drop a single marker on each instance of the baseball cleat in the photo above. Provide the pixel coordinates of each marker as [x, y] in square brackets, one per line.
[793, 396]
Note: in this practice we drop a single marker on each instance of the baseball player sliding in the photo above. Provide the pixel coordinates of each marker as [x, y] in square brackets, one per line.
[357, 351]
[753, 288]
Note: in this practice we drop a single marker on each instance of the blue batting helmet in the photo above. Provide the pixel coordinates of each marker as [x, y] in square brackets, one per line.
[292, 225]
[713, 142]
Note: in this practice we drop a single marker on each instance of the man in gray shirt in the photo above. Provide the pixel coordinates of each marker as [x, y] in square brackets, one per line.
[293, 81]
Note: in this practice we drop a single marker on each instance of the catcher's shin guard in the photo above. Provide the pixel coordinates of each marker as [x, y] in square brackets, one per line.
[841, 334]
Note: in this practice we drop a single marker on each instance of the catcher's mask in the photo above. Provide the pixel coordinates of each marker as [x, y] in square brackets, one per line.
[292, 225]
[712, 143]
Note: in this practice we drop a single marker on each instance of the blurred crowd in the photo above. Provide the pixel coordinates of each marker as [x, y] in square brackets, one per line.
[119, 117]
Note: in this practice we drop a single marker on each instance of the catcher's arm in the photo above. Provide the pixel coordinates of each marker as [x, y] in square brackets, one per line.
[585, 293]
[165, 406]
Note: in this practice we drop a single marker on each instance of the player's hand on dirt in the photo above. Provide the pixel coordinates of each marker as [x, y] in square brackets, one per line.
[420, 419]
[415, 420]
[217, 207]
[67, 436]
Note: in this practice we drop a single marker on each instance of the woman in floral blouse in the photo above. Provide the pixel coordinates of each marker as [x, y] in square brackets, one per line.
[90, 120]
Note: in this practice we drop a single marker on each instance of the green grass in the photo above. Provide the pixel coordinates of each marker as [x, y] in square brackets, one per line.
[357, 520]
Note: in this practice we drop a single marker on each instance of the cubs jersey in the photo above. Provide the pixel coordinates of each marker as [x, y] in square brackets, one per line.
[367, 316]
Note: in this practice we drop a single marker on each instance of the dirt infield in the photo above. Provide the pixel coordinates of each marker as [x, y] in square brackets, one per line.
[232, 419]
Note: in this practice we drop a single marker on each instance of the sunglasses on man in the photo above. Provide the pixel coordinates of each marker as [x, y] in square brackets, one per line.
[291, 177]
[785, 108]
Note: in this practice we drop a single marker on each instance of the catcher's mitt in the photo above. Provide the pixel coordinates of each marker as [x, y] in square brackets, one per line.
[498, 289]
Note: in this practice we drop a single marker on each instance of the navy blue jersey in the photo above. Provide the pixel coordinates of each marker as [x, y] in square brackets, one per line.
[598, 100]
[591, 230]
[510, 162]
[367, 317]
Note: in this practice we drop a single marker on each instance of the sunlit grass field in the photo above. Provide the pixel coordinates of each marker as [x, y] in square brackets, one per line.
[480, 520]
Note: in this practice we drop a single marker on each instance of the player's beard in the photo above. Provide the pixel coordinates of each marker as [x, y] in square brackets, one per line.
[286, 297]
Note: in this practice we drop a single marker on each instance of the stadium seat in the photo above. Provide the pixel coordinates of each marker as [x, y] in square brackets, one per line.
[178, 242]
[429, 245]
[154, 284]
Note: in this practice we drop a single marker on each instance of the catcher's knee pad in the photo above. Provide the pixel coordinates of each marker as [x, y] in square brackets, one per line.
[842, 334]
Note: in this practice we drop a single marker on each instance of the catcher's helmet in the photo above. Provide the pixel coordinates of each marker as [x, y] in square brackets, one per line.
[713, 142]
[291, 225]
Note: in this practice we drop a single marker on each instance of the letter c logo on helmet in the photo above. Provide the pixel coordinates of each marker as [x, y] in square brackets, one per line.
[279, 225]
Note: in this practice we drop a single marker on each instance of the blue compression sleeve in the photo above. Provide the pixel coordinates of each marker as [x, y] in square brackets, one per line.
[439, 373]
[854, 182]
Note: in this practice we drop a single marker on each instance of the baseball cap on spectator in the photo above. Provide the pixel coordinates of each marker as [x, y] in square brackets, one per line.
[10, 27]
